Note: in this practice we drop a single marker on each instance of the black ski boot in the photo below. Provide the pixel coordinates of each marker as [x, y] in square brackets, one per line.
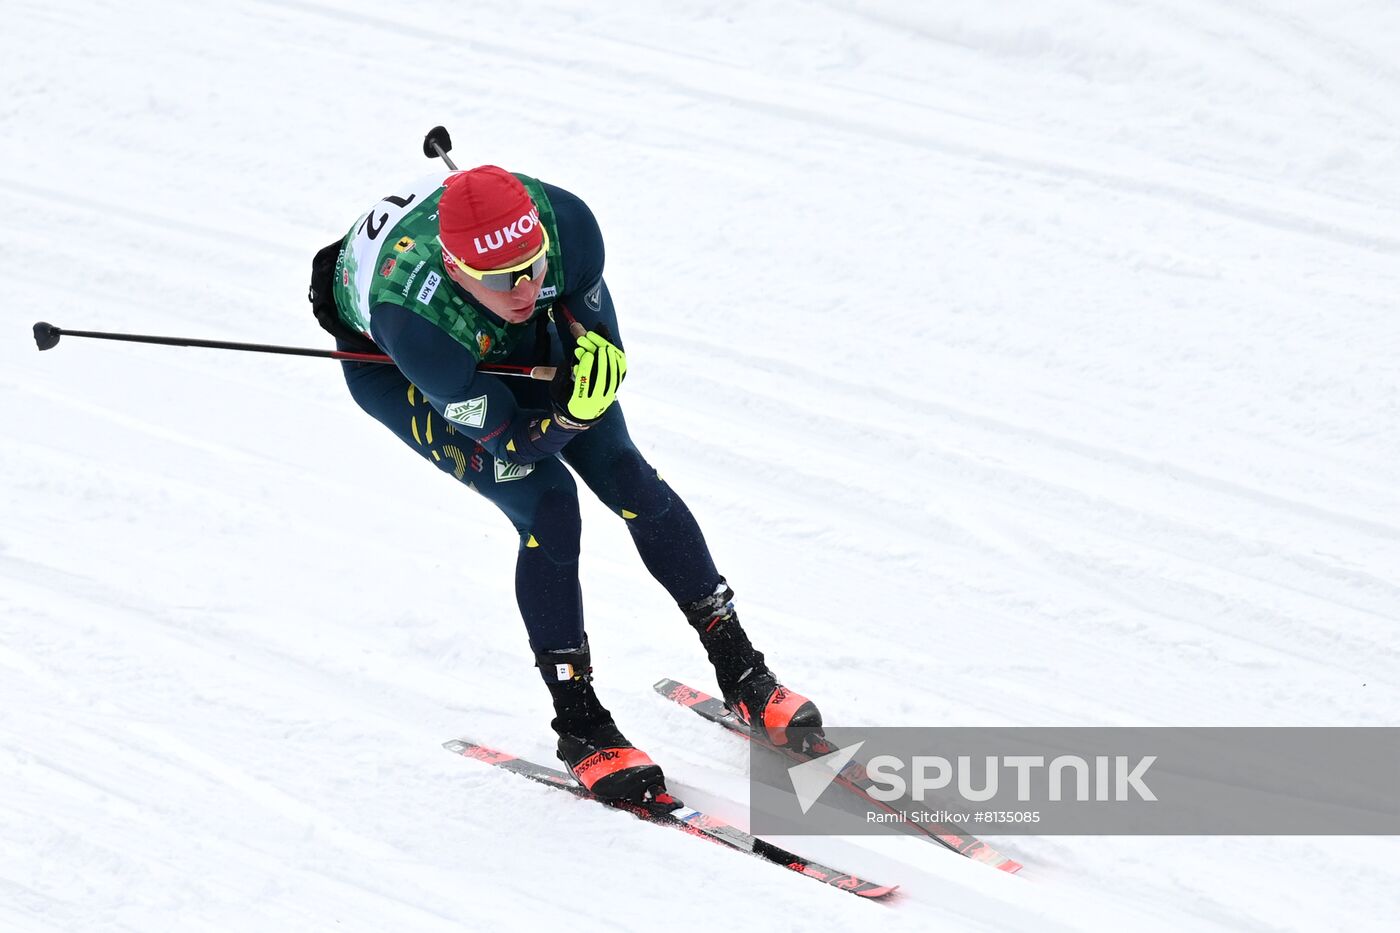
[750, 689]
[590, 745]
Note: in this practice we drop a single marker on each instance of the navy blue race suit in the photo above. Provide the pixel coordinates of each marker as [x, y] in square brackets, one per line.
[530, 483]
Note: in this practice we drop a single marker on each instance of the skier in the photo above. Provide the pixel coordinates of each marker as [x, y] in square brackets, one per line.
[486, 266]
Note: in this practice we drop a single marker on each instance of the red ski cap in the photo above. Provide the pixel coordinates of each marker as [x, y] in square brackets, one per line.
[487, 220]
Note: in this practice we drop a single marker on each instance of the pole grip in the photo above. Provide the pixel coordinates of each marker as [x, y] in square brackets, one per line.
[576, 330]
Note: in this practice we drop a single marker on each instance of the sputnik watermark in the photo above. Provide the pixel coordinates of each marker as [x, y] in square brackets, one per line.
[1083, 780]
[1116, 778]
[1113, 778]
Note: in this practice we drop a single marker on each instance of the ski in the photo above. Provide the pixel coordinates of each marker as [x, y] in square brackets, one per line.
[669, 811]
[851, 777]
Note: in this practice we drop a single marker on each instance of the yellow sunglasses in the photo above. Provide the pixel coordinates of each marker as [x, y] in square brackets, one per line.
[503, 280]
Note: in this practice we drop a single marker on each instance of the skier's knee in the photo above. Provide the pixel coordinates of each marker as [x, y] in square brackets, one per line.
[637, 490]
[554, 528]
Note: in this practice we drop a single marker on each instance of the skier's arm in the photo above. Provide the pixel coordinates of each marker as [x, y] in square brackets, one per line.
[476, 404]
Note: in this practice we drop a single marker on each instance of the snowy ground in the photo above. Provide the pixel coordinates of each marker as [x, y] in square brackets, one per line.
[1026, 363]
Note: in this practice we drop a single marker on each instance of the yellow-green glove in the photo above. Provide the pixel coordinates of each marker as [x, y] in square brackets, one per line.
[583, 392]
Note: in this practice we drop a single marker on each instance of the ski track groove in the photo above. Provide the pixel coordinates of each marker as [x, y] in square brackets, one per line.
[111, 212]
[959, 417]
[1303, 43]
[199, 637]
[1055, 172]
[1251, 212]
[1015, 488]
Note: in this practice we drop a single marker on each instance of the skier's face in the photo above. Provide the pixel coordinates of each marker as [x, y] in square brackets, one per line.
[514, 307]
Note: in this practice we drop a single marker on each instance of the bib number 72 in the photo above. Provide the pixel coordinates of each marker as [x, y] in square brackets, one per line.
[372, 226]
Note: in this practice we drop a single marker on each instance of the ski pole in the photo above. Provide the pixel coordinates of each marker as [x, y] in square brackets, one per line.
[46, 338]
[436, 143]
